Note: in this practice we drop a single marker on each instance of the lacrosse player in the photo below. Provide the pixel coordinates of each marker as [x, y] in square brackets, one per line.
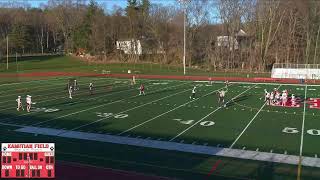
[70, 90]
[75, 85]
[221, 95]
[91, 88]
[19, 103]
[193, 95]
[141, 89]
[28, 102]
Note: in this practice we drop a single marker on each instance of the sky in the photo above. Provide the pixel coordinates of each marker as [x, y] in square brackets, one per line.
[108, 3]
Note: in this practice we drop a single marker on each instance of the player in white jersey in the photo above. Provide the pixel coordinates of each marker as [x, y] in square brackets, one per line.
[75, 85]
[227, 83]
[133, 82]
[193, 93]
[266, 97]
[91, 88]
[19, 103]
[222, 94]
[293, 99]
[284, 97]
[210, 81]
[70, 91]
[28, 102]
[271, 97]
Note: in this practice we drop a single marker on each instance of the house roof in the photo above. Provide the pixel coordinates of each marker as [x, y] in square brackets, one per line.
[241, 33]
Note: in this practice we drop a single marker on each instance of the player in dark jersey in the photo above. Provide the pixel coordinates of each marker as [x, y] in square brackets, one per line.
[91, 88]
[141, 89]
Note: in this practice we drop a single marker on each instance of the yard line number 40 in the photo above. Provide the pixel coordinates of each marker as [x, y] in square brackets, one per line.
[188, 122]
[290, 130]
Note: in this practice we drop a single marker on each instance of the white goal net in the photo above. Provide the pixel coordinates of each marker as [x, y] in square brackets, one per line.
[296, 71]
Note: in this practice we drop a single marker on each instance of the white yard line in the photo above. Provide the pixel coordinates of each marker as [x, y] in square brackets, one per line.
[258, 83]
[32, 112]
[254, 117]
[209, 114]
[303, 119]
[52, 79]
[166, 145]
[130, 109]
[65, 97]
[41, 88]
[84, 110]
[182, 105]
[59, 92]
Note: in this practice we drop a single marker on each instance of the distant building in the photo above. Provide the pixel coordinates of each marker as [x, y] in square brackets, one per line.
[240, 40]
[228, 42]
[139, 47]
[129, 46]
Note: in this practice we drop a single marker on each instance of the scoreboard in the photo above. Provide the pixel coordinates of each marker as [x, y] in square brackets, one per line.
[27, 160]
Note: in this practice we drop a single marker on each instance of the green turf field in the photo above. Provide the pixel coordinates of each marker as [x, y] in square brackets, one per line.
[167, 114]
[72, 64]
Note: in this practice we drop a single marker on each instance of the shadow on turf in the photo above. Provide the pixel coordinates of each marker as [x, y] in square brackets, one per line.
[238, 99]
[31, 58]
[242, 169]
[265, 171]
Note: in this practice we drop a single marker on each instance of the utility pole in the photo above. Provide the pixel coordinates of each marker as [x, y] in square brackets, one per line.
[17, 61]
[7, 52]
[184, 2]
[184, 38]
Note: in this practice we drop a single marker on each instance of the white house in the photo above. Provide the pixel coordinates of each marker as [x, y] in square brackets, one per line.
[129, 46]
[227, 41]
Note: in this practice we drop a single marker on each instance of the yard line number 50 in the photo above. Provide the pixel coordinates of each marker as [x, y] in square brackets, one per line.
[290, 130]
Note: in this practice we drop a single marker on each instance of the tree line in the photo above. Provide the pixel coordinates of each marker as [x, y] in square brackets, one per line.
[248, 35]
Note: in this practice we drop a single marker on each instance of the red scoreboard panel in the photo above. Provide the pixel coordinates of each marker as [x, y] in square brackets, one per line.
[27, 160]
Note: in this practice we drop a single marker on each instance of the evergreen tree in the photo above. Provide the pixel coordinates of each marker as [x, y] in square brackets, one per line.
[81, 36]
[20, 38]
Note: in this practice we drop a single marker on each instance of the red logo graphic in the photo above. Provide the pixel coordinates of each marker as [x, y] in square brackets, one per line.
[314, 103]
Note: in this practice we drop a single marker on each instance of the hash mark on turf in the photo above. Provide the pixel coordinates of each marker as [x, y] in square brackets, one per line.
[257, 149]
[244, 148]
[271, 150]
